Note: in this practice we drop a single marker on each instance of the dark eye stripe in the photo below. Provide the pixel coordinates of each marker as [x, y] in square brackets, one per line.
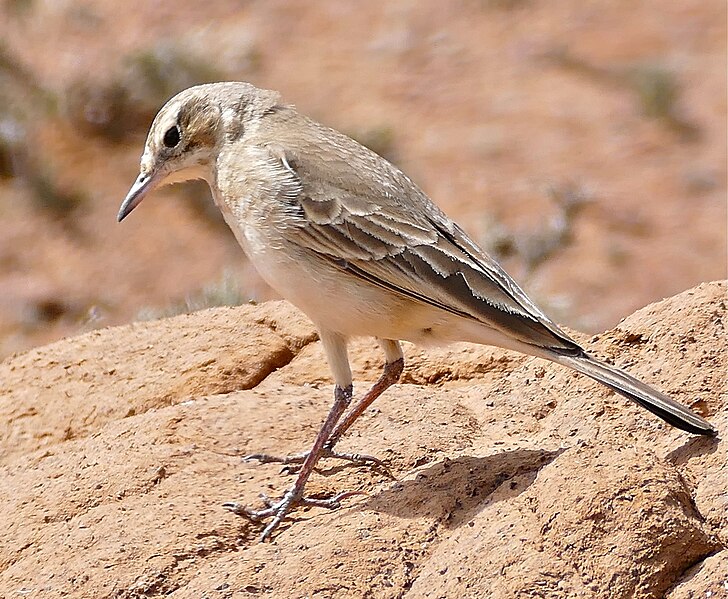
[172, 137]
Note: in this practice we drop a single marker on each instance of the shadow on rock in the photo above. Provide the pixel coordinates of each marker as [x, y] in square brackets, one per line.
[454, 490]
[693, 448]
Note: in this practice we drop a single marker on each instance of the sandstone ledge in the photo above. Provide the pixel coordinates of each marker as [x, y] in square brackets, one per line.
[509, 476]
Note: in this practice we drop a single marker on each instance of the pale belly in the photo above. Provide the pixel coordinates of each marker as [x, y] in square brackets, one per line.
[332, 299]
[335, 300]
[342, 303]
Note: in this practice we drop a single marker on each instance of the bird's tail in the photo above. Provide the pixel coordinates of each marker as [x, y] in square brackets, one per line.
[621, 382]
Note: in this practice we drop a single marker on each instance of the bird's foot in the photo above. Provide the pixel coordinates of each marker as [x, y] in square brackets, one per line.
[279, 510]
[298, 458]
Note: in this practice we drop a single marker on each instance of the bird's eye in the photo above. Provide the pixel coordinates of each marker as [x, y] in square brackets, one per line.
[171, 137]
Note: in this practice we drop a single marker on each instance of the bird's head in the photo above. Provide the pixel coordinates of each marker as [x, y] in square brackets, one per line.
[185, 136]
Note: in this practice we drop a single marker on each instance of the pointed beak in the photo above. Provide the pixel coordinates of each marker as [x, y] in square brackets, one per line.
[142, 186]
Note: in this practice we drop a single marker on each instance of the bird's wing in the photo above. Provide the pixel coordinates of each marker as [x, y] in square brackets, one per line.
[375, 224]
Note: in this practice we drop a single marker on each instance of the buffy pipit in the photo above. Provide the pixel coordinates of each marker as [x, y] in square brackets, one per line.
[354, 243]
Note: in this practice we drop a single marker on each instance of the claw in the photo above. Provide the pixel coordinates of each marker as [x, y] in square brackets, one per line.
[280, 510]
[323, 446]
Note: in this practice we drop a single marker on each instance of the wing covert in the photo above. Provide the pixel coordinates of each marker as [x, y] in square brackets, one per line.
[413, 250]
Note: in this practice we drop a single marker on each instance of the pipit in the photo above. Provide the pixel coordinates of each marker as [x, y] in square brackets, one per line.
[357, 246]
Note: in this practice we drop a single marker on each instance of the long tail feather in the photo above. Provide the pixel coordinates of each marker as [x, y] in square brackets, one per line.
[654, 401]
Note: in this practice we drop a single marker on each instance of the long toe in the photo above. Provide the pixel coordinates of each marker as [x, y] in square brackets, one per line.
[355, 458]
[332, 503]
[266, 458]
[299, 458]
[279, 511]
[243, 510]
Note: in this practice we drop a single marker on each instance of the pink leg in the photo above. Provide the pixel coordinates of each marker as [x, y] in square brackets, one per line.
[328, 436]
[391, 374]
[294, 496]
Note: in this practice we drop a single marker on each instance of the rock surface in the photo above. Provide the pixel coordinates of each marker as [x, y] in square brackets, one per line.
[508, 476]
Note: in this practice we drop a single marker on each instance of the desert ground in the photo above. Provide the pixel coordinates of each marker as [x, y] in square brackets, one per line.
[503, 476]
[581, 143]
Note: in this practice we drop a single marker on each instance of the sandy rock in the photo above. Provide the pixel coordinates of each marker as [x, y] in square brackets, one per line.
[117, 372]
[506, 476]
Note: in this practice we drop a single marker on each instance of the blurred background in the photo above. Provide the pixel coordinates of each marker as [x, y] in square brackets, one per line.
[582, 143]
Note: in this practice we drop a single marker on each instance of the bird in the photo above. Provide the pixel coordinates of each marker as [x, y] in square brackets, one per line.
[355, 244]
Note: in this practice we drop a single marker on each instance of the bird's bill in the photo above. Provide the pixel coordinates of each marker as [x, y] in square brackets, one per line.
[142, 186]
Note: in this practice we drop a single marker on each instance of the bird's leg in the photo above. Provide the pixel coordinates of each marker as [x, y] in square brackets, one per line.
[393, 367]
[294, 496]
[336, 354]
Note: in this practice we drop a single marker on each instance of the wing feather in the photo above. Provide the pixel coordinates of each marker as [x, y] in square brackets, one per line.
[417, 253]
